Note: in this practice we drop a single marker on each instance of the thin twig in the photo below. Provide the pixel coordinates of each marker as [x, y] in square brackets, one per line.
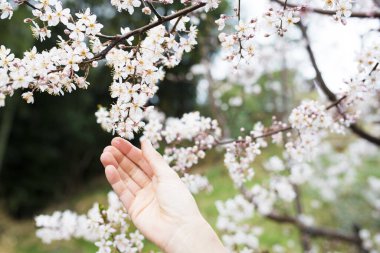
[103, 36]
[336, 102]
[330, 12]
[175, 25]
[267, 134]
[30, 5]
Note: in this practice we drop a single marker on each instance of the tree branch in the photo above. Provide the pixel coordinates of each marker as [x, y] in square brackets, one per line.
[175, 25]
[118, 39]
[304, 236]
[312, 231]
[28, 4]
[318, 75]
[271, 132]
[266, 134]
[329, 12]
[330, 95]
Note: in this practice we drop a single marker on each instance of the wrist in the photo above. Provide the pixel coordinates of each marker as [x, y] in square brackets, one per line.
[195, 236]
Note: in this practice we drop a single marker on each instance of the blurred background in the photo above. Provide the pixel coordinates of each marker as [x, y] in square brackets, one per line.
[49, 151]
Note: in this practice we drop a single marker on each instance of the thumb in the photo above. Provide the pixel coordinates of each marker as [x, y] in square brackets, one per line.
[159, 166]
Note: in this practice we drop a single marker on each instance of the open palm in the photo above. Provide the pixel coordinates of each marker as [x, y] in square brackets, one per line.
[156, 199]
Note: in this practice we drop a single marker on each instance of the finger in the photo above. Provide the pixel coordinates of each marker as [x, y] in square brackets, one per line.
[124, 194]
[129, 167]
[114, 179]
[108, 159]
[156, 161]
[133, 153]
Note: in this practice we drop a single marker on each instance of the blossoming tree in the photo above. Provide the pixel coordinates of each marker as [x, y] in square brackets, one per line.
[138, 58]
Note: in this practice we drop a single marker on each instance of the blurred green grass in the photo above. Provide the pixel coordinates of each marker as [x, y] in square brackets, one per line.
[19, 236]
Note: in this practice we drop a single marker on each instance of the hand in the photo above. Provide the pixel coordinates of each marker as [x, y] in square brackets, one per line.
[156, 199]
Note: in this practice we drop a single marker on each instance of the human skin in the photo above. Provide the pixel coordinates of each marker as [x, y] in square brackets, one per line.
[158, 202]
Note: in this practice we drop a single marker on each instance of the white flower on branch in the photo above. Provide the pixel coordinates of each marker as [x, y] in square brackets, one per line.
[283, 188]
[231, 221]
[274, 163]
[310, 117]
[6, 10]
[107, 228]
[28, 97]
[196, 183]
[128, 5]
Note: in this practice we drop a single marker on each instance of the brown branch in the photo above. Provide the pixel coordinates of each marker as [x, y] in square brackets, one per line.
[304, 236]
[118, 39]
[330, 95]
[318, 75]
[336, 103]
[330, 12]
[377, 2]
[312, 231]
[331, 234]
[267, 134]
[103, 36]
[28, 4]
[278, 130]
[363, 134]
[360, 246]
[175, 25]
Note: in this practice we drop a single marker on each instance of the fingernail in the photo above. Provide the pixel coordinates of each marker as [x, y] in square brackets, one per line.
[109, 168]
[116, 140]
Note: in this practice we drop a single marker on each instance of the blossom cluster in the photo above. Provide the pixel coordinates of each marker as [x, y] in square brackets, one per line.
[196, 183]
[232, 222]
[241, 153]
[137, 65]
[343, 9]
[136, 74]
[279, 20]
[202, 132]
[6, 9]
[239, 45]
[56, 70]
[108, 228]
[335, 171]
[373, 194]
[309, 119]
[361, 89]
[371, 242]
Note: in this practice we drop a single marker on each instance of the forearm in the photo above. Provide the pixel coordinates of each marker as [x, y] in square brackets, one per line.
[195, 237]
